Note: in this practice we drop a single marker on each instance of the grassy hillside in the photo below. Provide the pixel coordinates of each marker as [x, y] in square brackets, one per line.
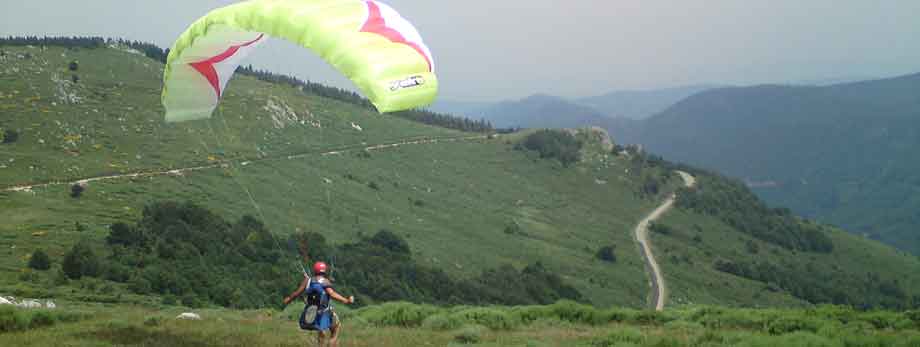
[463, 202]
[842, 154]
[437, 195]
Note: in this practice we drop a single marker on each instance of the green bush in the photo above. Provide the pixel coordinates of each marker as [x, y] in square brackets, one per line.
[886, 320]
[11, 319]
[470, 334]
[650, 318]
[80, 261]
[617, 314]
[42, 319]
[606, 254]
[10, 136]
[402, 314]
[528, 314]
[39, 260]
[621, 336]
[574, 312]
[785, 325]
[153, 321]
[16, 319]
[556, 144]
[76, 190]
[486, 316]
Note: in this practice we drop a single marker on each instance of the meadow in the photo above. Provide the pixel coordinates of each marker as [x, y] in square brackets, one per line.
[403, 324]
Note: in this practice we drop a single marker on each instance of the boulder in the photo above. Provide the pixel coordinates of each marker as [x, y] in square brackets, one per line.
[30, 304]
[189, 315]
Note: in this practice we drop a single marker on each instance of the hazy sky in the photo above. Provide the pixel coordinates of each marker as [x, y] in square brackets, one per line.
[493, 49]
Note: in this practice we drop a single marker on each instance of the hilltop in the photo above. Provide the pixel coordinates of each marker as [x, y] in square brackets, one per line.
[463, 202]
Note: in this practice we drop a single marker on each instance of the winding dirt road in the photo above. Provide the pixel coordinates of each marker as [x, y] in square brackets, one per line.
[243, 162]
[659, 291]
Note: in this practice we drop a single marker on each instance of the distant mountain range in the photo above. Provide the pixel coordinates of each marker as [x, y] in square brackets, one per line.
[640, 104]
[540, 109]
[845, 153]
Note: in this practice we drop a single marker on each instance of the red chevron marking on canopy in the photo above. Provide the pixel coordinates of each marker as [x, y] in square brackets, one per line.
[206, 67]
[377, 25]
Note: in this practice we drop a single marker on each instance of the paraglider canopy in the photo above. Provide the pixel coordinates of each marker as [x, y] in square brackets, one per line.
[366, 40]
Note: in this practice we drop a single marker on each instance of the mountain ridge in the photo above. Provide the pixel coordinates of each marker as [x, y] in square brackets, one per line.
[821, 148]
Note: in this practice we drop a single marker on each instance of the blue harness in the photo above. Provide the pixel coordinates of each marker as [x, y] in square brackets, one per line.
[317, 313]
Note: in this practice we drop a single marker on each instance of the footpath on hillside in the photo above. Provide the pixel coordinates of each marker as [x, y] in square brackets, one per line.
[659, 292]
[243, 162]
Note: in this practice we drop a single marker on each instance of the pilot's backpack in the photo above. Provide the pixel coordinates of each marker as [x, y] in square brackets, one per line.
[316, 315]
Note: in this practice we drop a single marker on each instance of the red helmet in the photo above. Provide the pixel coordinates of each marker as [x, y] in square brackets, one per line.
[319, 268]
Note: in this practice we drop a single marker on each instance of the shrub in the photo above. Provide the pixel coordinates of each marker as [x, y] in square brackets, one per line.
[528, 314]
[556, 144]
[650, 318]
[514, 228]
[169, 299]
[153, 321]
[80, 261]
[401, 314]
[123, 234]
[12, 319]
[389, 240]
[470, 334]
[488, 317]
[10, 136]
[606, 254]
[577, 313]
[60, 278]
[15, 319]
[190, 300]
[42, 319]
[27, 275]
[621, 336]
[373, 185]
[76, 190]
[661, 229]
[40, 260]
[785, 325]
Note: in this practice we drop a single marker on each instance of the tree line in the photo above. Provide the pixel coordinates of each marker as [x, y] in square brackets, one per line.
[807, 282]
[190, 255]
[734, 204]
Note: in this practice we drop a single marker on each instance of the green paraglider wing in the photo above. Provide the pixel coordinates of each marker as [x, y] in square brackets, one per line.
[367, 41]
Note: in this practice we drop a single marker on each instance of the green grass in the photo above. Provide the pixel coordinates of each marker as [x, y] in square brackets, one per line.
[561, 324]
[438, 196]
